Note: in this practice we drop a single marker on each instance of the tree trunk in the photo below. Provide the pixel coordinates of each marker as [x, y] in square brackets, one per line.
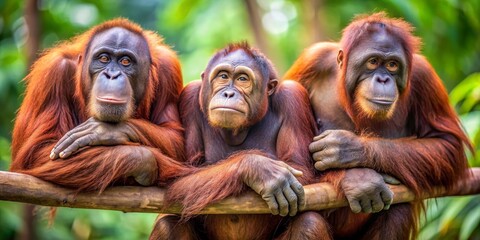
[32, 23]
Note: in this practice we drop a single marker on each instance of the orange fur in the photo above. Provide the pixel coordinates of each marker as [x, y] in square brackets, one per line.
[422, 144]
[56, 101]
[281, 131]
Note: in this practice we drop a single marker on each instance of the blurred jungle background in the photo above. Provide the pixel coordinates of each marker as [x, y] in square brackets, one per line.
[450, 30]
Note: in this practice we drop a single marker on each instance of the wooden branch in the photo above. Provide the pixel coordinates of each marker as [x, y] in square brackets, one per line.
[24, 188]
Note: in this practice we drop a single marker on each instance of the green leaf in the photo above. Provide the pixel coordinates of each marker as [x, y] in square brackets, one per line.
[452, 211]
[429, 230]
[471, 123]
[470, 223]
[5, 155]
[465, 94]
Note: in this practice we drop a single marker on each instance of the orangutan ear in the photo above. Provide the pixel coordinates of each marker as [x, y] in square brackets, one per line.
[272, 86]
[340, 58]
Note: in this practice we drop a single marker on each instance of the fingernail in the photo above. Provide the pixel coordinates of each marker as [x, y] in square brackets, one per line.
[62, 154]
[52, 155]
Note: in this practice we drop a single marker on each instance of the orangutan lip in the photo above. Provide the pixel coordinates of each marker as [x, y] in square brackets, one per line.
[382, 101]
[111, 100]
[227, 109]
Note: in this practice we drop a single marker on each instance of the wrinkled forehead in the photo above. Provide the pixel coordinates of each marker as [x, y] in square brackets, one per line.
[120, 38]
[238, 58]
[379, 43]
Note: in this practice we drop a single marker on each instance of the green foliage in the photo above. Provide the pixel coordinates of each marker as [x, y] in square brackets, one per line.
[5, 157]
[12, 63]
[198, 30]
[195, 29]
[470, 222]
[10, 220]
[459, 217]
[95, 224]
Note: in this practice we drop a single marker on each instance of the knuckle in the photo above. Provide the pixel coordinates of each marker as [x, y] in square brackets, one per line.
[83, 142]
[264, 192]
[283, 166]
[90, 139]
[292, 198]
[388, 199]
[293, 212]
[74, 145]
[336, 151]
[280, 178]
[353, 196]
[322, 165]
[73, 136]
[327, 152]
[300, 189]
[272, 208]
[286, 174]
[336, 135]
[99, 131]
[318, 165]
[367, 210]
[376, 186]
[355, 206]
[267, 197]
[270, 187]
[343, 132]
[377, 208]
[317, 156]
[312, 147]
[352, 200]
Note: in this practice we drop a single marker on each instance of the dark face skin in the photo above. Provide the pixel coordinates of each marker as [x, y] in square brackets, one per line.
[376, 74]
[118, 66]
[234, 92]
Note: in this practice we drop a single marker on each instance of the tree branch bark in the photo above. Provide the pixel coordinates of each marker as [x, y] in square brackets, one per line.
[24, 188]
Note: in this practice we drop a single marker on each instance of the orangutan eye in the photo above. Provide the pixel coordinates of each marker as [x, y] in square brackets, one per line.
[242, 79]
[104, 58]
[223, 75]
[392, 66]
[125, 61]
[373, 63]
